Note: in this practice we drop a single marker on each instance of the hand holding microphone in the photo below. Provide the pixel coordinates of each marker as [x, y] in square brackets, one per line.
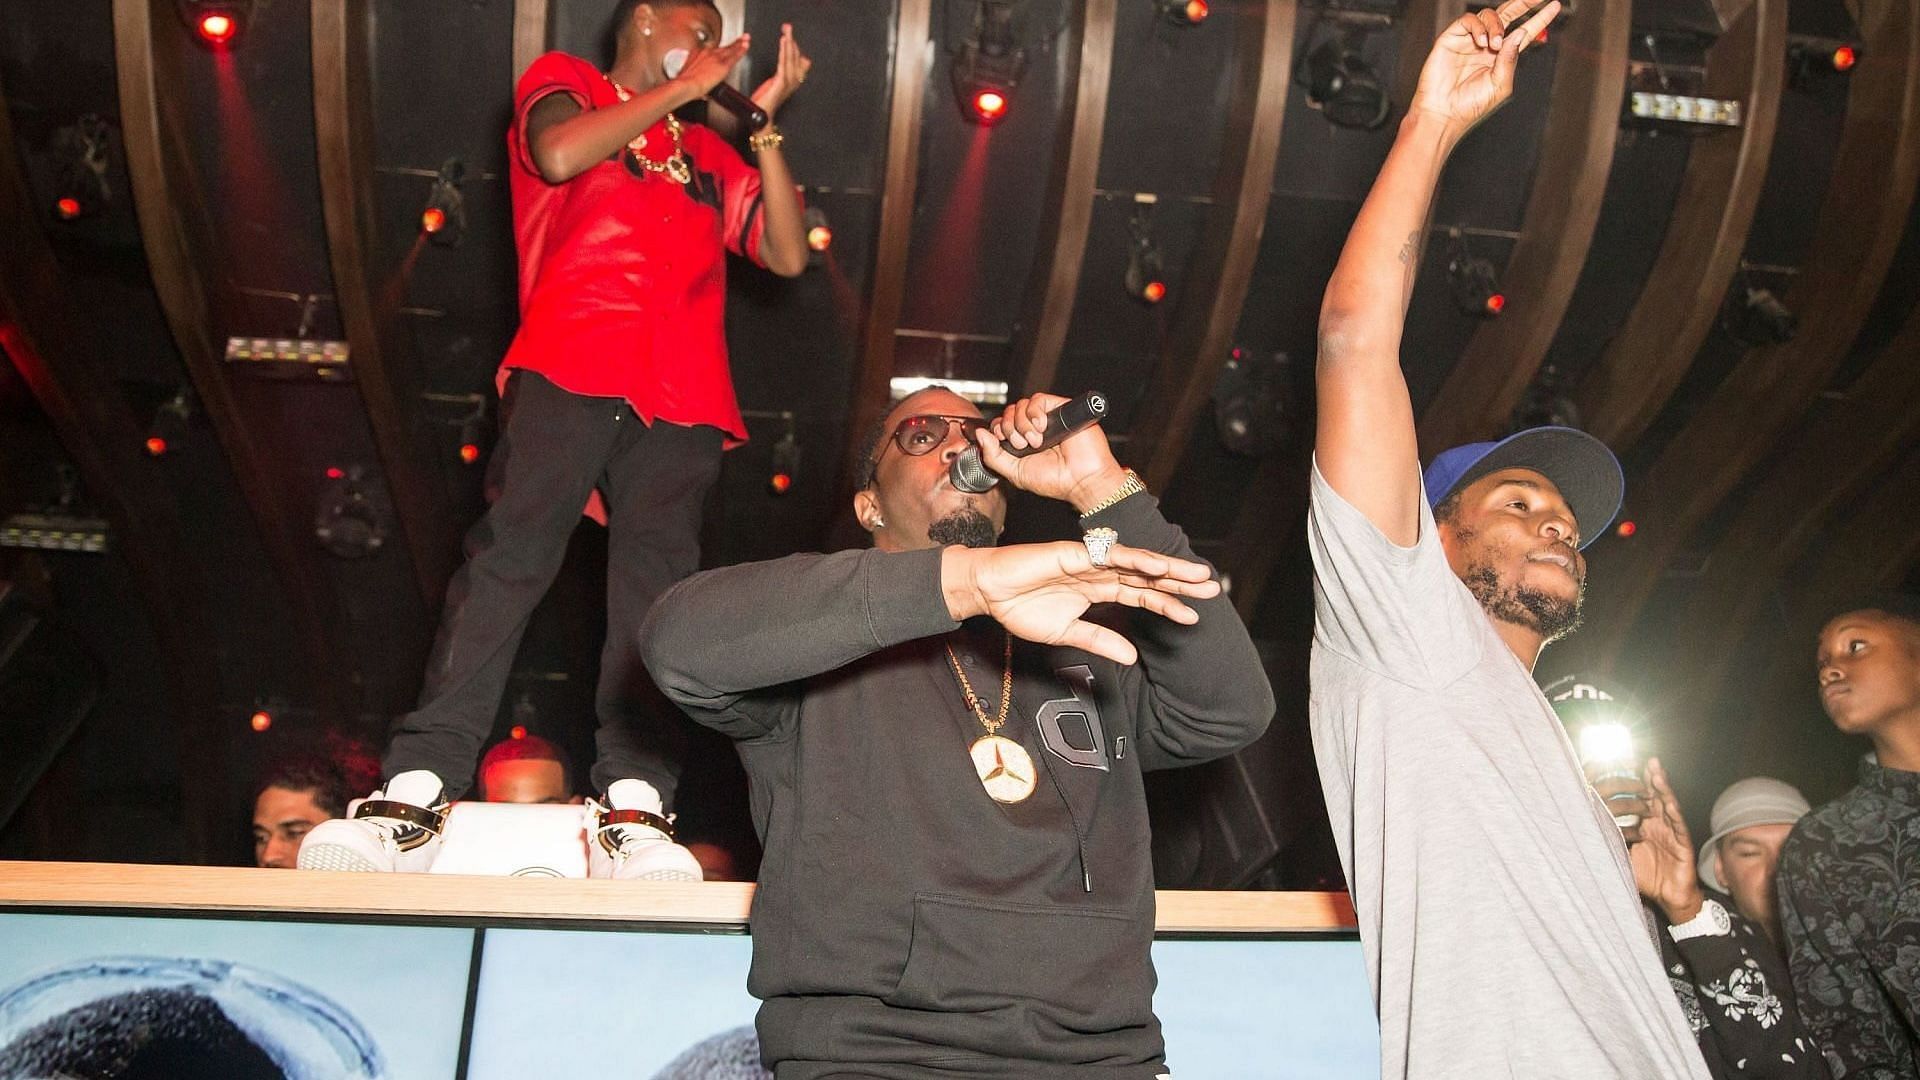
[1033, 425]
[709, 71]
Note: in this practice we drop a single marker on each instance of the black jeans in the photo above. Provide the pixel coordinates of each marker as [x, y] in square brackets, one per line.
[554, 449]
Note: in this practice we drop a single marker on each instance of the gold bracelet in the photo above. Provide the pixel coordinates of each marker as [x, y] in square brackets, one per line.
[770, 139]
[1132, 485]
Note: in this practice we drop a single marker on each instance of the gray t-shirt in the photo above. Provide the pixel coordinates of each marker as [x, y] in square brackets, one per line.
[1502, 930]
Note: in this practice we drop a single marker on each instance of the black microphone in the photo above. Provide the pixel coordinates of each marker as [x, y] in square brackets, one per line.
[723, 95]
[970, 474]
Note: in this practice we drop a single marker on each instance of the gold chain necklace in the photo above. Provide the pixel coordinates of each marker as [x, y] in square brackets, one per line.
[675, 167]
[1003, 765]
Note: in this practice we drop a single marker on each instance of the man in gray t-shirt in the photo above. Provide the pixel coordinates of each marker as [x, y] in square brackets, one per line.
[1496, 902]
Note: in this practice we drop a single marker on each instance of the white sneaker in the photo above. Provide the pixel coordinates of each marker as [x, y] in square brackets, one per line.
[370, 841]
[629, 840]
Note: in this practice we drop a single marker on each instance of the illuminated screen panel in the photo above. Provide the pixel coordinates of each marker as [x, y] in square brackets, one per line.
[1249, 1006]
[230, 998]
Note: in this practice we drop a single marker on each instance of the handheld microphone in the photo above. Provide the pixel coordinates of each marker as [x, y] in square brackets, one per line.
[969, 474]
[723, 95]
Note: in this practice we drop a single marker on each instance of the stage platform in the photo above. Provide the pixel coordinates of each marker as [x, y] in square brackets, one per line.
[500, 976]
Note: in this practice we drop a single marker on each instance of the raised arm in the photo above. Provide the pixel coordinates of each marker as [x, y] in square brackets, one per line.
[1365, 444]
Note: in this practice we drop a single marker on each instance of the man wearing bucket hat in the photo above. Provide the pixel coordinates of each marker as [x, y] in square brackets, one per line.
[1496, 905]
[1731, 980]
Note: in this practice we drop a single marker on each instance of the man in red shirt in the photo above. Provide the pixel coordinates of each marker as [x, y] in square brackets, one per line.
[615, 396]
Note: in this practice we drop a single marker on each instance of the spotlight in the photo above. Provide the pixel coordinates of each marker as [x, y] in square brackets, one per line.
[472, 431]
[80, 168]
[988, 63]
[1474, 283]
[1625, 529]
[819, 235]
[261, 720]
[1184, 12]
[1256, 403]
[354, 515]
[519, 731]
[1342, 85]
[1811, 61]
[216, 22]
[1756, 317]
[1145, 279]
[169, 427]
[445, 218]
[786, 462]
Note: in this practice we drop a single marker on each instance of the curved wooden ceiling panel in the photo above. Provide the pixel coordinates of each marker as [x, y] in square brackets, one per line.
[1861, 220]
[1042, 332]
[1576, 156]
[343, 126]
[174, 233]
[1645, 362]
[1200, 333]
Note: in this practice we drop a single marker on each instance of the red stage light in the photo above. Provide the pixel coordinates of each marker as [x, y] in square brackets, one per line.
[469, 453]
[217, 27]
[780, 483]
[990, 104]
[1197, 11]
[519, 732]
[1844, 58]
[433, 219]
[1496, 303]
[335, 472]
[156, 445]
[819, 238]
[261, 720]
[1625, 529]
[1154, 292]
[67, 207]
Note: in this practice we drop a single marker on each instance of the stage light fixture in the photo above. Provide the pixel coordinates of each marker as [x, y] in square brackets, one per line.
[354, 516]
[1811, 61]
[1184, 12]
[1625, 529]
[1145, 280]
[79, 153]
[785, 465]
[519, 731]
[217, 23]
[1546, 403]
[169, 428]
[1342, 85]
[978, 391]
[987, 63]
[1756, 317]
[444, 219]
[1474, 283]
[819, 235]
[261, 720]
[1256, 403]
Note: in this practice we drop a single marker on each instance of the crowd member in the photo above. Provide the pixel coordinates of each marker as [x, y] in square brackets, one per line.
[616, 396]
[956, 878]
[527, 769]
[1497, 909]
[1850, 872]
[299, 791]
[1751, 821]
[1730, 977]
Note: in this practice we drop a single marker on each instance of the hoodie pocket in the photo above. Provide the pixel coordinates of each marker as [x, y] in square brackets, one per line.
[1086, 969]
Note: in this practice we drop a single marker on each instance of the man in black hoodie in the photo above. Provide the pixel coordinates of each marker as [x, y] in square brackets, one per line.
[945, 757]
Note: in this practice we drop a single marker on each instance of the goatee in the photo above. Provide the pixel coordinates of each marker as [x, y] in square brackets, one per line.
[1552, 617]
[966, 526]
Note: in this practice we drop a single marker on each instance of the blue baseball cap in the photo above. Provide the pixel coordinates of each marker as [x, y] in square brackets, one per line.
[1586, 472]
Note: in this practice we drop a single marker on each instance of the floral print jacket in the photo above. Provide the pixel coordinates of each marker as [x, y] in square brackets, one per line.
[1850, 908]
[1734, 989]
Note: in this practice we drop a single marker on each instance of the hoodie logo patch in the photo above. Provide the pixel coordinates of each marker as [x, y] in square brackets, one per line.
[1070, 726]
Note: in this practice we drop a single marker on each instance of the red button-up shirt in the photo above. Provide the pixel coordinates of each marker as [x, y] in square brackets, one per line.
[623, 271]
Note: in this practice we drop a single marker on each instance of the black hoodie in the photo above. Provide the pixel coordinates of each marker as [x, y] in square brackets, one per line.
[907, 925]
